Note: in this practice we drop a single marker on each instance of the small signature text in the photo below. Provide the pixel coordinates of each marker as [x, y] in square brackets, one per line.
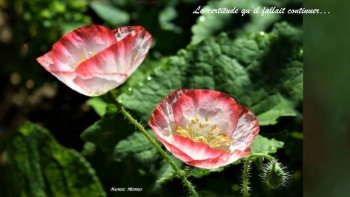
[125, 189]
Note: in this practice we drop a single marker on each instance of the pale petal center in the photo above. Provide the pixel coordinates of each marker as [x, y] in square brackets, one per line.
[86, 56]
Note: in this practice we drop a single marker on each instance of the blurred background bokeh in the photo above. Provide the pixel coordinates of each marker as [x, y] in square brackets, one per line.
[28, 92]
[327, 96]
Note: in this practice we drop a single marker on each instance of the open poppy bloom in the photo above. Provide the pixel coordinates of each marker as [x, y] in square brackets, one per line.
[204, 128]
[94, 59]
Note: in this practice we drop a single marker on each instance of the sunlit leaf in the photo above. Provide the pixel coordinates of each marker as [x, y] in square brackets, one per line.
[98, 104]
[264, 145]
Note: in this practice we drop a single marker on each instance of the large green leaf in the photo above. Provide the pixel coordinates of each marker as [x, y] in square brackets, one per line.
[137, 146]
[262, 71]
[40, 167]
[106, 132]
[273, 107]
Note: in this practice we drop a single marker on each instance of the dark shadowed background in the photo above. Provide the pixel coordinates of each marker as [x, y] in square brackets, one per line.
[327, 96]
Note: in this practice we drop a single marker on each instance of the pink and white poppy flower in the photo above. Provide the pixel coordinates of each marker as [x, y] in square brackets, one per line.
[204, 128]
[94, 59]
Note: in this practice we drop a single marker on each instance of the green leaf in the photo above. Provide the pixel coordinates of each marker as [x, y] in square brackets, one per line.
[199, 172]
[273, 107]
[264, 145]
[68, 27]
[108, 131]
[110, 13]
[98, 104]
[166, 16]
[137, 146]
[165, 173]
[42, 167]
[261, 71]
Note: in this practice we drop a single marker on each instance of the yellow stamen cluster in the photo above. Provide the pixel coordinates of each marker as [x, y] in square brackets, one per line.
[205, 133]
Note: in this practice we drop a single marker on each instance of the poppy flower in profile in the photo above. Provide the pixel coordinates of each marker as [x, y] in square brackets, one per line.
[94, 59]
[204, 128]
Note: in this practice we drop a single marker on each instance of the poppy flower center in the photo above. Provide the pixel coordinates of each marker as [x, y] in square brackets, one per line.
[87, 55]
[204, 132]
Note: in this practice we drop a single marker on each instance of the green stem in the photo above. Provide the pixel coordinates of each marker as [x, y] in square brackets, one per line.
[188, 170]
[245, 178]
[177, 170]
[246, 169]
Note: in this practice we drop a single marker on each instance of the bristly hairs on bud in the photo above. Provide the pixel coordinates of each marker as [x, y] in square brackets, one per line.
[275, 175]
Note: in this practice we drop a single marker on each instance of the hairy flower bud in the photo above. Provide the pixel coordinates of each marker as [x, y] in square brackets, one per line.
[275, 175]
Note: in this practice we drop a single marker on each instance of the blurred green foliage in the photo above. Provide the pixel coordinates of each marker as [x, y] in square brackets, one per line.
[257, 60]
[34, 25]
[112, 15]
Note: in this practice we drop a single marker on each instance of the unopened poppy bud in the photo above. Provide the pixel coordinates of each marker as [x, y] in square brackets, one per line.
[275, 175]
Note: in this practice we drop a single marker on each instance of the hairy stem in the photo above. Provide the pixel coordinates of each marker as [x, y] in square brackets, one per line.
[180, 173]
[246, 169]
